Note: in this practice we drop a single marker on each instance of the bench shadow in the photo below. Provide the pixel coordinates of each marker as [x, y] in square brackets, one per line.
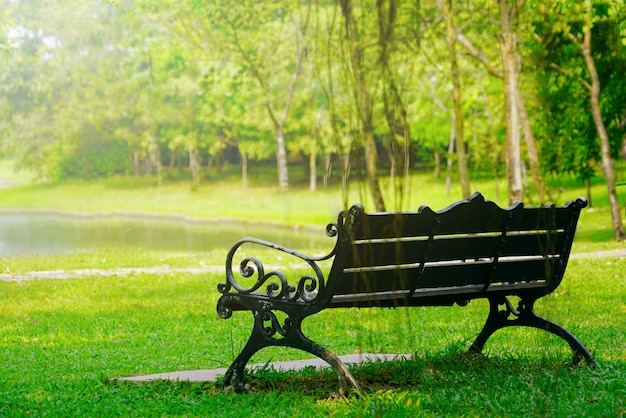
[423, 373]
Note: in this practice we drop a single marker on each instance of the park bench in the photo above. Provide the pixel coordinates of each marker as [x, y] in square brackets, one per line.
[471, 249]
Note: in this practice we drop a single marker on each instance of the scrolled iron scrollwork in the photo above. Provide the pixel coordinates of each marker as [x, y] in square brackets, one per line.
[223, 311]
[275, 282]
[275, 325]
[522, 308]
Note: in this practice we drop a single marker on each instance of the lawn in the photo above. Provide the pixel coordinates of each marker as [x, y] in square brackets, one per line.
[63, 342]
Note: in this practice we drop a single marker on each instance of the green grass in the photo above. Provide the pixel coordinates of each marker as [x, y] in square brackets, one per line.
[62, 341]
[224, 198]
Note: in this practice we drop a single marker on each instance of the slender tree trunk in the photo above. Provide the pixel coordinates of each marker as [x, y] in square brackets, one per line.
[345, 176]
[508, 46]
[281, 158]
[136, 163]
[155, 157]
[514, 111]
[172, 164]
[450, 153]
[327, 169]
[607, 161]
[194, 165]
[531, 146]
[363, 104]
[456, 95]
[244, 169]
[313, 170]
[281, 148]
[192, 149]
[588, 189]
[437, 171]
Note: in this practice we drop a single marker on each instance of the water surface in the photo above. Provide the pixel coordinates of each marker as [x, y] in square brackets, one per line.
[33, 232]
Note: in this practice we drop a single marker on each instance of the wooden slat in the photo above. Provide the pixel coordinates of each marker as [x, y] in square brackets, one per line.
[390, 252]
[490, 246]
[395, 225]
[541, 243]
[367, 281]
[365, 254]
[434, 297]
[507, 270]
[543, 218]
[444, 275]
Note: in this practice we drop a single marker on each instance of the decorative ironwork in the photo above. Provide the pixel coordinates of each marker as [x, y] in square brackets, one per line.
[275, 326]
[275, 282]
[510, 310]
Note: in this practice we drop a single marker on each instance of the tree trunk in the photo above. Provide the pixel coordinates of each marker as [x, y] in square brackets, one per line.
[281, 158]
[508, 47]
[313, 171]
[456, 94]
[363, 104]
[450, 153]
[531, 146]
[588, 189]
[437, 170]
[194, 166]
[244, 170]
[136, 163]
[174, 158]
[607, 161]
[345, 177]
[327, 169]
[155, 157]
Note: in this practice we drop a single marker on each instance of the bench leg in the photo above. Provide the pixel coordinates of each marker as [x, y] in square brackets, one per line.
[525, 316]
[290, 336]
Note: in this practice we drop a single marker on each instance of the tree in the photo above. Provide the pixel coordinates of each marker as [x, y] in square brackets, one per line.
[451, 39]
[515, 108]
[261, 66]
[576, 23]
[356, 48]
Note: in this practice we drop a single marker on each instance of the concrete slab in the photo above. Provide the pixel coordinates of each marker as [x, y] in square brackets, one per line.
[212, 375]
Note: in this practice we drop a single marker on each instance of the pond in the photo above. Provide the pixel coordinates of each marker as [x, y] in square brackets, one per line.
[36, 232]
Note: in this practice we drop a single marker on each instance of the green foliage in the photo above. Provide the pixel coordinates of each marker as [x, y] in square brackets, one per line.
[174, 79]
[93, 159]
[567, 129]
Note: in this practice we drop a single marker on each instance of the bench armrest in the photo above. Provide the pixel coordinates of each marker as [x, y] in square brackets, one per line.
[276, 284]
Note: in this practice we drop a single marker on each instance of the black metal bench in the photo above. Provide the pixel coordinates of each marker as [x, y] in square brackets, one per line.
[471, 249]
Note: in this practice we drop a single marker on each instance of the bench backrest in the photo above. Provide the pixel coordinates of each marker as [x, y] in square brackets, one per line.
[470, 243]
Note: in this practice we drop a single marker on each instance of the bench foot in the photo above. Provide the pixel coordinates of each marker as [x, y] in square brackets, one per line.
[525, 315]
[290, 335]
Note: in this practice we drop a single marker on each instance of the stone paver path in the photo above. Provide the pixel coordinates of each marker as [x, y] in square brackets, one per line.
[211, 375]
[7, 276]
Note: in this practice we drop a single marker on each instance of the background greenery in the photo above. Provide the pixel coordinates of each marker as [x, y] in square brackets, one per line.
[94, 89]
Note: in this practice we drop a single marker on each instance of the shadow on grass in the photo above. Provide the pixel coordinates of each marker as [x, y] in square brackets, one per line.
[430, 373]
[435, 373]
